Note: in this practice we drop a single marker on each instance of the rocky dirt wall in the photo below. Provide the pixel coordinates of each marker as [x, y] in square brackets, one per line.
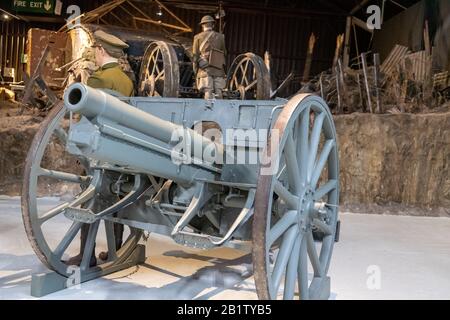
[16, 134]
[384, 159]
[400, 158]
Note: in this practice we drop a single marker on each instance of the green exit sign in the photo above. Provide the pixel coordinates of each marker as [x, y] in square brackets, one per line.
[34, 6]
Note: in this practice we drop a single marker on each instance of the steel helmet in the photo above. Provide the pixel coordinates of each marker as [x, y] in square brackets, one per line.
[207, 19]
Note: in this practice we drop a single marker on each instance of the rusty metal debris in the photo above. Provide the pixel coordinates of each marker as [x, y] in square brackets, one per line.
[404, 82]
[43, 93]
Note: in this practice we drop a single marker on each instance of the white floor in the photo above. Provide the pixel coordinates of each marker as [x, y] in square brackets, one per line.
[378, 257]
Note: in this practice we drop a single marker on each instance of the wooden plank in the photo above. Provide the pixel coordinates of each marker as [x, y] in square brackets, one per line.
[366, 81]
[376, 74]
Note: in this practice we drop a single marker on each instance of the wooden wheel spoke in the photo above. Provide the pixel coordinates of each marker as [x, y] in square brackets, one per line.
[243, 80]
[328, 146]
[314, 143]
[280, 227]
[151, 59]
[82, 198]
[251, 85]
[65, 176]
[303, 271]
[160, 75]
[287, 244]
[154, 58]
[322, 226]
[67, 239]
[53, 212]
[153, 69]
[246, 66]
[146, 76]
[312, 253]
[245, 72]
[160, 66]
[325, 189]
[290, 152]
[290, 199]
[89, 247]
[236, 85]
[291, 271]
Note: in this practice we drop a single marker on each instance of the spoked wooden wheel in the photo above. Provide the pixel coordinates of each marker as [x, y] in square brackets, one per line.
[55, 247]
[159, 74]
[249, 78]
[296, 197]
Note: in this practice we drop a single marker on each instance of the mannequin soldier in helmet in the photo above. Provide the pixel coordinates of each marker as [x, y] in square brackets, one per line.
[109, 75]
[209, 60]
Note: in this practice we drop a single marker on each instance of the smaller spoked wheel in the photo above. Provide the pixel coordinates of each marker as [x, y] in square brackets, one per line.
[248, 78]
[55, 180]
[159, 74]
[297, 196]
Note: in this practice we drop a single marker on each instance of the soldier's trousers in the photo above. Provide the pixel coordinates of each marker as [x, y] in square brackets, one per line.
[211, 86]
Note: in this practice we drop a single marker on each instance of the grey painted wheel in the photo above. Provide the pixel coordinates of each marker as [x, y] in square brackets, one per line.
[248, 78]
[50, 250]
[159, 74]
[298, 197]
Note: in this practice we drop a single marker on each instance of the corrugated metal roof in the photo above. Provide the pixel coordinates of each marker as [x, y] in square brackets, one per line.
[418, 65]
[394, 58]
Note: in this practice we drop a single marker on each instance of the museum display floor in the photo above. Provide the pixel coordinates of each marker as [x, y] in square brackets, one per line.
[377, 257]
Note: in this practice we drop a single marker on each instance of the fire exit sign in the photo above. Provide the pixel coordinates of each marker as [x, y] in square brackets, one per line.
[34, 6]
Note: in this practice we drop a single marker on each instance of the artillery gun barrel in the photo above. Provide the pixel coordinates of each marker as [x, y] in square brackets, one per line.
[91, 102]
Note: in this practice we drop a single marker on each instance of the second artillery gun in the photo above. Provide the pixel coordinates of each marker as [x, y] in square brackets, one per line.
[267, 181]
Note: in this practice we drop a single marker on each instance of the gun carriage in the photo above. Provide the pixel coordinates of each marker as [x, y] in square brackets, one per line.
[128, 169]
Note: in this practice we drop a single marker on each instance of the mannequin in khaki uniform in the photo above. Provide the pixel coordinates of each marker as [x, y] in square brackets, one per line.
[108, 49]
[209, 59]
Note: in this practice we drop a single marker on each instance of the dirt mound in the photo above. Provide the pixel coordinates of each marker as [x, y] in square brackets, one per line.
[16, 134]
[400, 158]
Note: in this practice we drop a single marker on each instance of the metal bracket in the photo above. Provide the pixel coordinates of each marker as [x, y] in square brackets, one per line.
[199, 199]
[202, 241]
[245, 214]
[87, 216]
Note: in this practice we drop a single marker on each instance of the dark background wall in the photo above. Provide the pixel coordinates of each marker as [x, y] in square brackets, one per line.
[12, 44]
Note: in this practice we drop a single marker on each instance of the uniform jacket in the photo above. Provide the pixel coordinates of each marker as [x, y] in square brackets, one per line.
[215, 41]
[111, 76]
